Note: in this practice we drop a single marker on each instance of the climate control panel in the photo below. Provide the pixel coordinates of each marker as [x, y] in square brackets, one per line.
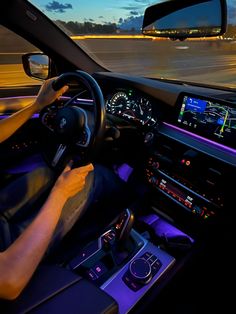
[186, 198]
[185, 178]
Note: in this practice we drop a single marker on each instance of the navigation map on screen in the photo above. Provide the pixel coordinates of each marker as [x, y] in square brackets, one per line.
[208, 117]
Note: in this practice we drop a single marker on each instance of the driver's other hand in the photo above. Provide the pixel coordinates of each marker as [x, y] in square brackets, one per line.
[47, 95]
[72, 181]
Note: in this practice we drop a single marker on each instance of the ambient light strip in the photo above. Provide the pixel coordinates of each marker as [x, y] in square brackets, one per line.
[33, 96]
[4, 116]
[36, 115]
[203, 139]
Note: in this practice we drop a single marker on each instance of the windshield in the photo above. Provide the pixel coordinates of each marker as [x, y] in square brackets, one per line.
[110, 32]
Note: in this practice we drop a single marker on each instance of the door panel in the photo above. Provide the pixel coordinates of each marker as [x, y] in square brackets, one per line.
[17, 91]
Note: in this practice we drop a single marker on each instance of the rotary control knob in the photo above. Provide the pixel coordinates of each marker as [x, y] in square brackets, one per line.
[140, 271]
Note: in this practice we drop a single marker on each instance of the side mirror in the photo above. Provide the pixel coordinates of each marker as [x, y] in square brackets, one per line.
[36, 65]
[181, 19]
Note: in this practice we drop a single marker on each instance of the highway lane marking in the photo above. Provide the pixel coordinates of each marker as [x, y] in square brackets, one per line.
[12, 53]
[205, 66]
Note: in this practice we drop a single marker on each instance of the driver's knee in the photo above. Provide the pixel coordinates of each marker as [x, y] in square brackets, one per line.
[20, 202]
[24, 191]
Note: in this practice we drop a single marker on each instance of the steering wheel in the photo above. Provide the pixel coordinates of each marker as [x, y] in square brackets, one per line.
[76, 127]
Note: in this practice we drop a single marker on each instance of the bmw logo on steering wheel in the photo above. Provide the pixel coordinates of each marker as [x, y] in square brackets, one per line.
[63, 123]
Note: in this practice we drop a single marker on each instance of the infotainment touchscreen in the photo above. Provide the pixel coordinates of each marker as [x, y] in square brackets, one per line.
[209, 118]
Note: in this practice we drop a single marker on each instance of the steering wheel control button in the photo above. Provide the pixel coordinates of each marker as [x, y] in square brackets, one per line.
[140, 270]
[149, 137]
[83, 138]
[156, 266]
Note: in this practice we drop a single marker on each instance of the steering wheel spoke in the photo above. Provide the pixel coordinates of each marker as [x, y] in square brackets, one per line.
[85, 136]
[59, 153]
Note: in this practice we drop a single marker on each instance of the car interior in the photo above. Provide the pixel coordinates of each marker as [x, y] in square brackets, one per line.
[168, 246]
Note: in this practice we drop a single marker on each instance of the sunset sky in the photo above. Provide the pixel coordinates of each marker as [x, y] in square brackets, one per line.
[103, 11]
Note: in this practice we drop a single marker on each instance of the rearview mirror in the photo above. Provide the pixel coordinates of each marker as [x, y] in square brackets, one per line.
[180, 19]
[36, 65]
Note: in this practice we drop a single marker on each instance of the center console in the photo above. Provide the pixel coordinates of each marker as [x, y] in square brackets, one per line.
[122, 263]
[109, 275]
[137, 276]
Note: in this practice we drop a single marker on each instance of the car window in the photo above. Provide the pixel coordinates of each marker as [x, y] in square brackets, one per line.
[11, 50]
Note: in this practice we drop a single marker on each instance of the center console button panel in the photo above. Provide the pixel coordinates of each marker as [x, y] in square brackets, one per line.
[132, 281]
[101, 258]
[141, 271]
[187, 177]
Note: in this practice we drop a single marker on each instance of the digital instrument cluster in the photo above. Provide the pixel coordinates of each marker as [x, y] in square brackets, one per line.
[210, 118]
[132, 106]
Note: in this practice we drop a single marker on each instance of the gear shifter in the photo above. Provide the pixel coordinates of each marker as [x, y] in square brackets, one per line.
[123, 244]
[124, 225]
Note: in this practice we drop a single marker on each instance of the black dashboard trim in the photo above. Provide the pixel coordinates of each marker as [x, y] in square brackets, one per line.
[212, 149]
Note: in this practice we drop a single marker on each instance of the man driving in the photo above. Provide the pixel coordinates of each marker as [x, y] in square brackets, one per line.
[26, 232]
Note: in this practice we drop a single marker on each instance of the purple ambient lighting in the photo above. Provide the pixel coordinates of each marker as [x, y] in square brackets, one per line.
[123, 171]
[203, 139]
[4, 116]
[62, 97]
[163, 229]
[88, 100]
[36, 115]
[77, 99]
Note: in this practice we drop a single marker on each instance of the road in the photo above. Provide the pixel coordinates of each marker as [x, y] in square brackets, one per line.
[205, 61]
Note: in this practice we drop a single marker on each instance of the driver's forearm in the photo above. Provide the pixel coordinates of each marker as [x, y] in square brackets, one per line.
[9, 125]
[20, 260]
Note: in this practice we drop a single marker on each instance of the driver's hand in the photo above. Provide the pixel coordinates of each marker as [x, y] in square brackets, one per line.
[71, 181]
[47, 95]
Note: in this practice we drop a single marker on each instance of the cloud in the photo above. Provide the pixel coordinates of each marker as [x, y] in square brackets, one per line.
[132, 23]
[147, 2]
[91, 20]
[131, 7]
[136, 5]
[101, 17]
[57, 7]
[134, 13]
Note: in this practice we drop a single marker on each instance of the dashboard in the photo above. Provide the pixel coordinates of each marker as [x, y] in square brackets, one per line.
[191, 157]
[211, 119]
